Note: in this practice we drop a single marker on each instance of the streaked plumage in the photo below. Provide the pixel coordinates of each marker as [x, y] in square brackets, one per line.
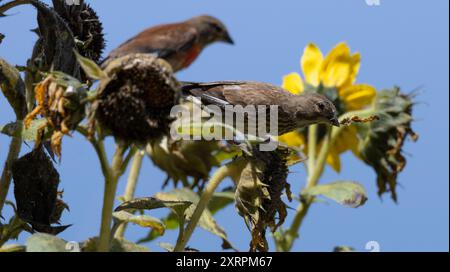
[294, 111]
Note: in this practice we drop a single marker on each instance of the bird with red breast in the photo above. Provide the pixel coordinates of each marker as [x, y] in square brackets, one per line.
[178, 43]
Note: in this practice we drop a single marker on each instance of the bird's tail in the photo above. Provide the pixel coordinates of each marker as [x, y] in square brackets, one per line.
[187, 87]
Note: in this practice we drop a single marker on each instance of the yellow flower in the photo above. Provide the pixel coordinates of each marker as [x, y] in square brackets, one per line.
[338, 70]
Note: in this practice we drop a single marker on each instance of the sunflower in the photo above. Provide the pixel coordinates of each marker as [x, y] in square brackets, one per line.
[337, 74]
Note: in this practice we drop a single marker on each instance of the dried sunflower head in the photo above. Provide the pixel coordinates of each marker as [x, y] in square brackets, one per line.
[136, 97]
[383, 142]
[36, 192]
[188, 162]
[86, 27]
[60, 100]
[258, 194]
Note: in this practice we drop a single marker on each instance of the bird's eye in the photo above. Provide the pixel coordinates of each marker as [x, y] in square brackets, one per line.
[321, 106]
[217, 28]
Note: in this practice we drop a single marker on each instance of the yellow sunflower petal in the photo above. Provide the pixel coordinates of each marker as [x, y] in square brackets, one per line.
[293, 83]
[348, 140]
[337, 66]
[355, 61]
[357, 96]
[311, 63]
[294, 139]
[334, 161]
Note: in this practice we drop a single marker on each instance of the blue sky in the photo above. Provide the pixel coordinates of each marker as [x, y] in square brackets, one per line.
[403, 42]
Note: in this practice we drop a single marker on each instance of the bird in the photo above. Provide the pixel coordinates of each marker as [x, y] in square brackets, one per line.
[177, 43]
[294, 111]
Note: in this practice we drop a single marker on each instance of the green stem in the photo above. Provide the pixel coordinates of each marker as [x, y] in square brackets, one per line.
[5, 180]
[111, 180]
[312, 145]
[131, 187]
[315, 171]
[99, 148]
[313, 177]
[181, 231]
[213, 183]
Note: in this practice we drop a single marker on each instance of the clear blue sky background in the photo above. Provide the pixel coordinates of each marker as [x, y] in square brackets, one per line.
[402, 42]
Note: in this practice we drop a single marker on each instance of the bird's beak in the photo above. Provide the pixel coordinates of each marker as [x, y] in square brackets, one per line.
[227, 38]
[335, 122]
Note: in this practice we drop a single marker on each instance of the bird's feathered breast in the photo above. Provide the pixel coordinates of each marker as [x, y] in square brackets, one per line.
[165, 41]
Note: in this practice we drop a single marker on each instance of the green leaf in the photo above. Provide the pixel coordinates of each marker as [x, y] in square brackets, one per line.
[225, 155]
[220, 200]
[170, 248]
[91, 68]
[166, 246]
[346, 193]
[208, 129]
[151, 203]
[206, 222]
[41, 242]
[12, 248]
[66, 80]
[145, 221]
[171, 223]
[117, 245]
[122, 245]
[343, 249]
[17, 129]
[13, 87]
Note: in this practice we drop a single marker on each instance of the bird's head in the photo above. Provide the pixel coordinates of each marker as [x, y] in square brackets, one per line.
[211, 29]
[314, 108]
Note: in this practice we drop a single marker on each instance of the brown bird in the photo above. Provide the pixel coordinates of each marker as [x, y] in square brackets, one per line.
[178, 43]
[294, 111]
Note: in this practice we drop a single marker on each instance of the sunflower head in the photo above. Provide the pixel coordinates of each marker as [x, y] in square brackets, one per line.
[383, 142]
[36, 192]
[60, 100]
[258, 194]
[186, 160]
[86, 27]
[135, 100]
[335, 77]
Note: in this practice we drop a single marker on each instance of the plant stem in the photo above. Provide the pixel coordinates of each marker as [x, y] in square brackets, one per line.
[5, 181]
[13, 4]
[315, 171]
[180, 231]
[111, 180]
[213, 183]
[131, 187]
[303, 208]
[313, 179]
[315, 174]
[312, 144]
[99, 147]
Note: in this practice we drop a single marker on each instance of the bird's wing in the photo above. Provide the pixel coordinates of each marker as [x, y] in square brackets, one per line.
[163, 41]
[254, 93]
[237, 92]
